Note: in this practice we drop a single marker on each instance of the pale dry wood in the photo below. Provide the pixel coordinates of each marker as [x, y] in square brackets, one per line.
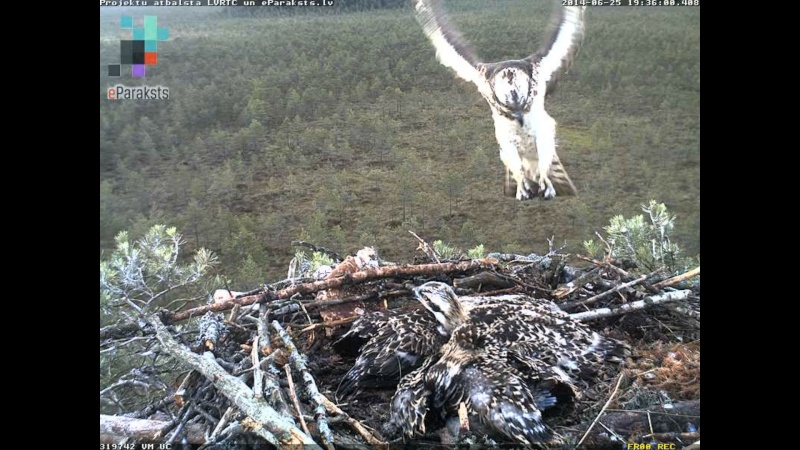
[187, 382]
[665, 422]
[354, 424]
[595, 298]
[331, 324]
[223, 422]
[606, 265]
[278, 429]
[678, 278]
[694, 446]
[674, 436]
[114, 428]
[633, 306]
[258, 375]
[427, 249]
[293, 396]
[602, 410]
[583, 280]
[299, 362]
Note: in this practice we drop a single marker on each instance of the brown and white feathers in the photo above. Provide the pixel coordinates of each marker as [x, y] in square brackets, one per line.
[393, 345]
[508, 363]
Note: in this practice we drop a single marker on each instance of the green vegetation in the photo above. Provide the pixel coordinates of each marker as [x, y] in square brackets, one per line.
[138, 277]
[148, 271]
[343, 130]
[645, 242]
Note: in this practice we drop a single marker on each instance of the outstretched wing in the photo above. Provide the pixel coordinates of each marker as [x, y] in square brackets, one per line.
[559, 49]
[452, 50]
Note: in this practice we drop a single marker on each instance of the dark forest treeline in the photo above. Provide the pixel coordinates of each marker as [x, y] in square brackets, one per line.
[345, 131]
[338, 7]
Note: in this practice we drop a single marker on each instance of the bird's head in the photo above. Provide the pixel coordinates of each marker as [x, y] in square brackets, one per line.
[513, 87]
[443, 303]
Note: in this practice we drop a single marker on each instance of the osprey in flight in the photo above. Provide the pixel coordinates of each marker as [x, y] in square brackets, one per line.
[515, 92]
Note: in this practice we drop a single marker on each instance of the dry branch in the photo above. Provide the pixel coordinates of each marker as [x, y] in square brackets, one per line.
[282, 431]
[632, 306]
[357, 277]
[293, 396]
[114, 428]
[223, 422]
[331, 324]
[299, 363]
[188, 382]
[590, 300]
[608, 402]
[609, 266]
[677, 279]
[258, 376]
[356, 425]
[426, 248]
[581, 281]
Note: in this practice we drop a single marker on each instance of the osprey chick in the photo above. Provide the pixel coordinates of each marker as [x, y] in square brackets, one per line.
[392, 345]
[507, 362]
[515, 91]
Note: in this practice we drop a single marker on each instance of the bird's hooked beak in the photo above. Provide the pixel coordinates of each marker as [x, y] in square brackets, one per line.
[518, 115]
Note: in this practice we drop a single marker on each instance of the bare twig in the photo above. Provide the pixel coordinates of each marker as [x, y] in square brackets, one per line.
[590, 300]
[299, 363]
[620, 438]
[293, 396]
[427, 249]
[258, 376]
[677, 279]
[223, 421]
[180, 422]
[263, 329]
[581, 281]
[608, 402]
[123, 382]
[282, 431]
[331, 324]
[187, 382]
[632, 306]
[355, 424]
[606, 265]
[357, 298]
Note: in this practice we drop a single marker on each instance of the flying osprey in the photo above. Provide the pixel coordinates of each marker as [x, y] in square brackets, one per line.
[515, 92]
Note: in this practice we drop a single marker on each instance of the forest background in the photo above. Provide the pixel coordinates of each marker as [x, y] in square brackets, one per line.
[339, 127]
